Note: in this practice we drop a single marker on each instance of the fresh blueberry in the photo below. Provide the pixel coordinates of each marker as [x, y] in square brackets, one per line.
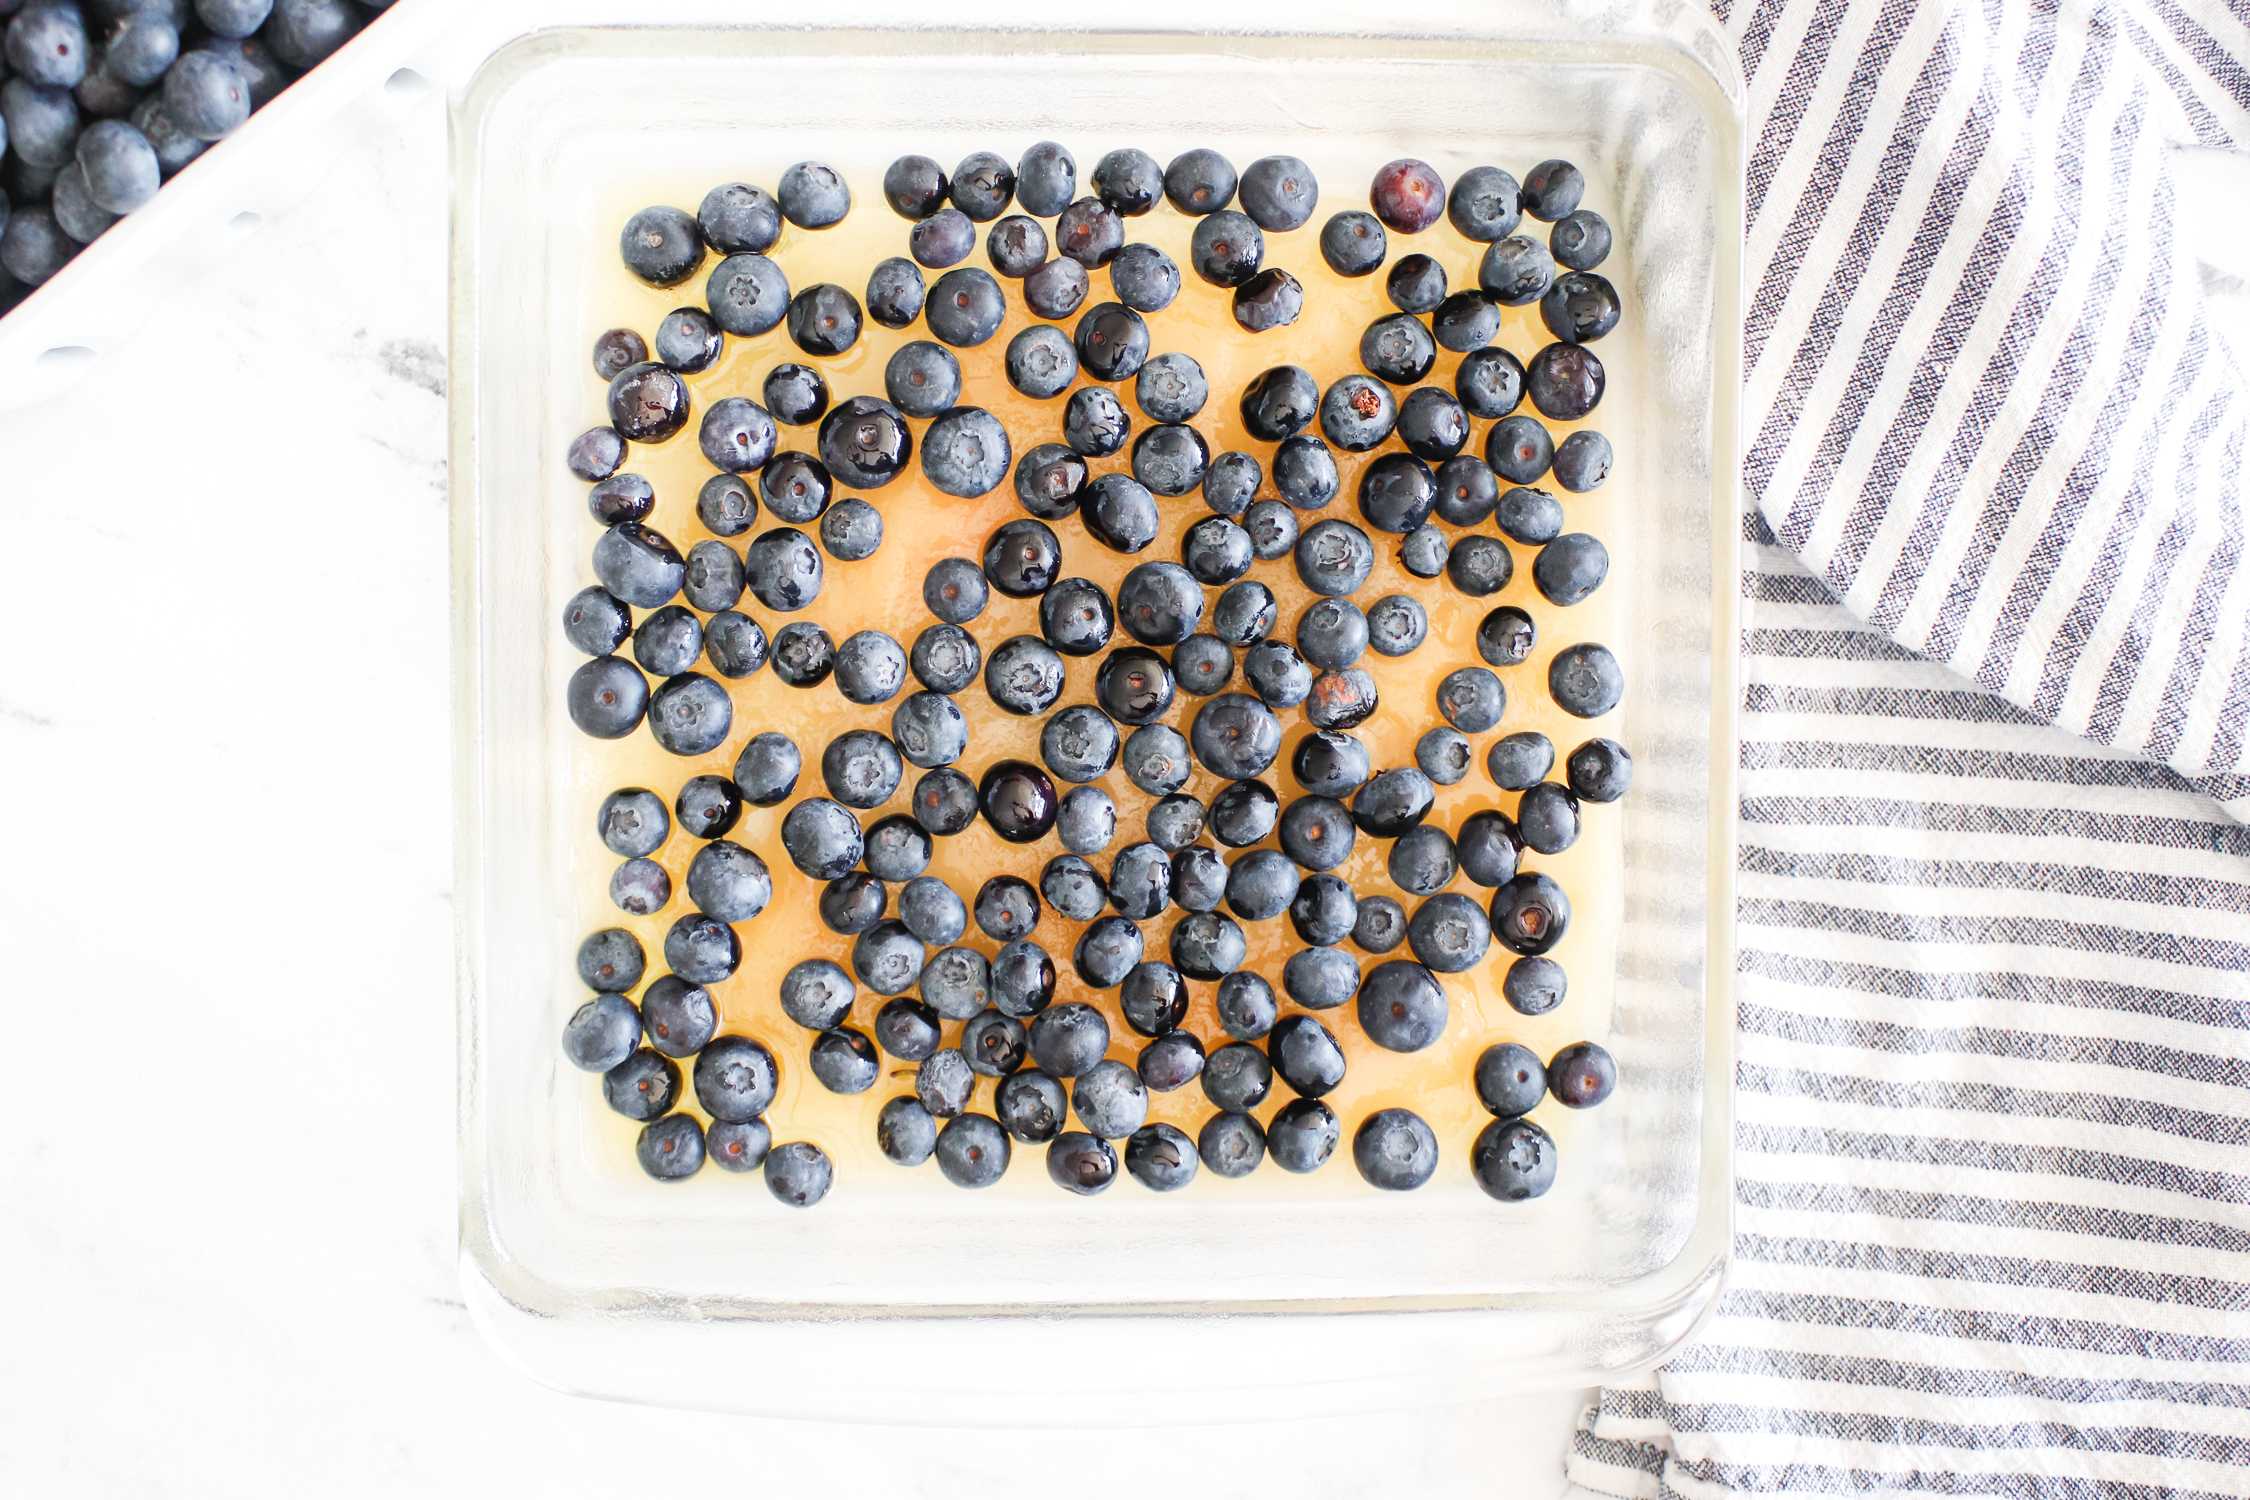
[1353, 243]
[1532, 517]
[767, 769]
[1380, 925]
[648, 403]
[1073, 887]
[737, 435]
[994, 1044]
[1080, 1163]
[736, 1078]
[956, 983]
[1332, 633]
[138, 47]
[1024, 675]
[1280, 403]
[616, 349]
[1112, 341]
[1056, 289]
[1261, 885]
[1110, 1099]
[1329, 763]
[965, 452]
[1402, 1007]
[1129, 181]
[175, 147]
[642, 1087]
[671, 1148]
[1018, 801]
[748, 295]
[907, 1029]
[932, 911]
[1040, 362]
[983, 186]
[1535, 986]
[738, 1145]
[729, 882]
[702, 949]
[1320, 978]
[1156, 760]
[954, 590]
[1279, 193]
[1479, 565]
[726, 505]
[1245, 613]
[865, 442]
[1200, 181]
[1565, 381]
[1017, 246]
[661, 245]
[922, 378]
[1395, 1150]
[1216, 550]
[822, 837]
[915, 187]
[1120, 513]
[782, 569]
[799, 1173]
[1579, 307]
[1161, 1158]
[602, 1033]
[1570, 568]
[119, 165]
[1075, 617]
[1317, 832]
[888, 958]
[1465, 322]
[1518, 762]
[714, 578]
[1144, 278]
[1023, 979]
[1226, 248]
[1021, 558]
[896, 292]
[1271, 299]
[1547, 817]
[74, 208]
[1407, 195]
[1510, 1079]
[1202, 665]
[1530, 913]
[1170, 459]
[1580, 240]
[708, 807]
[851, 530]
[1334, 558]
[965, 307]
[1516, 271]
[688, 340]
[607, 698]
[1444, 755]
[945, 802]
[1505, 638]
[1305, 1054]
[1237, 1077]
[813, 196]
[944, 1083]
[905, 1132]
[1583, 461]
[1304, 472]
[1433, 426]
[1513, 1160]
[1160, 603]
[1134, 685]
[1089, 232]
[1235, 736]
[1397, 493]
[1552, 190]
[1356, 414]
[1398, 623]
[1397, 349]
[1585, 680]
[1079, 744]
[632, 822]
[1489, 383]
[1140, 881]
[1324, 909]
[1068, 1040]
[1471, 699]
[1393, 801]
[1232, 1143]
[1231, 482]
[1095, 423]
[930, 730]
[1581, 1075]
[1416, 284]
[1050, 479]
[1489, 847]
[1208, 945]
[1599, 771]
[1171, 388]
[595, 622]
[851, 904]
[1199, 878]
[1175, 822]
[668, 641]
[303, 32]
[972, 1151]
[1031, 1105]
[1484, 204]
[737, 218]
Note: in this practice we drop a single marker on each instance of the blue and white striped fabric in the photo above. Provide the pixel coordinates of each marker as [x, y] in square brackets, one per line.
[1993, 1152]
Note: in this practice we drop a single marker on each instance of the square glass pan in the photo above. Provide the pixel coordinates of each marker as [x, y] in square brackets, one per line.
[611, 1285]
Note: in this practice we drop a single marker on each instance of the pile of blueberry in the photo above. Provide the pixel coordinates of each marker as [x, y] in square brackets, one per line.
[104, 99]
[907, 925]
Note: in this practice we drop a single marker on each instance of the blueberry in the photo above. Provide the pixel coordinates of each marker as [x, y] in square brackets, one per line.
[817, 994]
[737, 435]
[932, 911]
[905, 1132]
[616, 349]
[726, 505]
[1579, 307]
[1237, 1077]
[1305, 1054]
[1081, 1163]
[1144, 278]
[1535, 986]
[1199, 879]
[702, 949]
[74, 208]
[1397, 624]
[738, 1146]
[1353, 243]
[1051, 478]
[1232, 1143]
[822, 837]
[1079, 744]
[303, 32]
[607, 698]
[120, 166]
[922, 378]
[602, 1033]
[1056, 289]
[1320, 978]
[1200, 181]
[954, 590]
[736, 1078]
[1584, 679]
[1356, 414]
[965, 452]
[1112, 341]
[1040, 362]
[1304, 473]
[1547, 817]
[1398, 493]
[1380, 925]
[994, 1044]
[1395, 1150]
[1017, 246]
[1518, 762]
[1324, 909]
[1516, 271]
[1565, 381]
[671, 1148]
[1317, 832]
[1120, 513]
[1334, 558]
[1226, 248]
[1472, 699]
[1086, 821]
[661, 245]
[983, 186]
[1280, 403]
[1235, 736]
[1479, 566]
[1245, 613]
[714, 577]
[1416, 284]
[729, 882]
[1095, 423]
[737, 218]
[1397, 349]
[688, 340]
[668, 641]
[1392, 802]
[1513, 1160]
[766, 771]
[137, 48]
[1110, 1099]
[1140, 881]
[1330, 763]
[642, 1087]
[895, 292]
[1072, 887]
[945, 802]
[813, 196]
[748, 295]
[1175, 822]
[1552, 190]
[708, 807]
[1489, 383]
[1510, 1080]
[1129, 181]
[956, 983]
[1024, 675]
[1023, 979]
[887, 958]
[1489, 848]
[632, 822]
[1231, 482]
[1583, 461]
[1069, 1039]
[1170, 459]
[1207, 945]
[648, 403]
[1160, 603]
[1484, 204]
[1600, 770]
[907, 1029]
[1341, 700]
[1530, 913]
[1407, 195]
[1031, 1105]
[1018, 801]
[1157, 760]
[930, 730]
[799, 1173]
[1279, 193]
[1506, 636]
[972, 1151]
[1271, 299]
[1021, 559]
[735, 644]
[1134, 685]
[1444, 755]
[1171, 388]
[1089, 232]
[1202, 665]
[965, 308]
[1581, 1075]
[1433, 427]
[1161, 1157]
[1216, 550]
[1261, 885]
[782, 569]
[865, 442]
[175, 148]
[1402, 1006]
[595, 622]
[1580, 240]
[1465, 322]
[851, 530]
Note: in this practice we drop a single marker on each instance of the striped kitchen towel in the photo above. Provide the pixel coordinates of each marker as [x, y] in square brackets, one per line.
[1993, 1154]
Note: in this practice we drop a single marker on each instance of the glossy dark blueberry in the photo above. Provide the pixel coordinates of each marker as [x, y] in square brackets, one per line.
[995, 1044]
[1532, 517]
[714, 578]
[607, 698]
[799, 1173]
[972, 1151]
[906, 1029]
[661, 245]
[642, 1087]
[795, 487]
[1530, 913]
[1140, 881]
[1023, 979]
[1334, 558]
[944, 1083]
[905, 1132]
[1050, 479]
[632, 822]
[729, 882]
[1134, 685]
[851, 530]
[896, 292]
[1018, 800]
[1465, 321]
[1069, 1039]
[1235, 736]
[671, 1148]
[616, 349]
[1160, 1157]
[1120, 513]
[1580, 240]
[1397, 349]
[595, 454]
[1330, 763]
[865, 442]
[1407, 195]
[1112, 341]
[1398, 623]
[1570, 568]
[1245, 613]
[966, 453]
[1600, 770]
[1317, 832]
[1226, 248]
[1056, 288]
[1547, 817]
[922, 378]
[1580, 307]
[1232, 1144]
[1279, 193]
[956, 983]
[726, 505]
[813, 195]
[1393, 801]
[1581, 1075]
[1489, 383]
[932, 911]
[983, 186]
[1200, 181]
[1332, 633]
[1073, 887]
[688, 340]
[822, 838]
[915, 187]
[1518, 762]
[887, 958]
[1472, 699]
[1479, 565]
[1199, 879]
[1216, 551]
[1509, 1077]
[1585, 680]
[1444, 755]
[595, 622]
[1087, 820]
[1280, 403]
[1175, 822]
[1017, 246]
[748, 295]
[1583, 461]
[648, 403]
[1305, 1054]
[1552, 190]
[1081, 1163]
[1320, 978]
[1341, 700]
[1128, 181]
[1434, 428]
[709, 806]
[783, 571]
[1144, 278]
[1353, 243]
[955, 590]
[870, 668]
[1565, 381]
[897, 848]
[1031, 1105]
[965, 307]
[1324, 909]
[1356, 414]
[701, 949]
[1159, 603]
[1095, 423]
[1271, 299]
[1489, 848]
[1075, 617]
[1422, 861]
[1040, 363]
[1237, 1077]
[945, 802]
[1516, 271]
[767, 769]
[1398, 493]
[1170, 459]
[1208, 945]
[1022, 558]
[602, 1033]
[1089, 232]
[1079, 744]
[1153, 998]
[1304, 473]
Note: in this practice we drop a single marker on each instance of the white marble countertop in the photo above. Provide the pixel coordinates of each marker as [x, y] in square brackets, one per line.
[228, 1242]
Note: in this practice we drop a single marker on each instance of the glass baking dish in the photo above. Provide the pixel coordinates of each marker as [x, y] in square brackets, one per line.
[603, 1283]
